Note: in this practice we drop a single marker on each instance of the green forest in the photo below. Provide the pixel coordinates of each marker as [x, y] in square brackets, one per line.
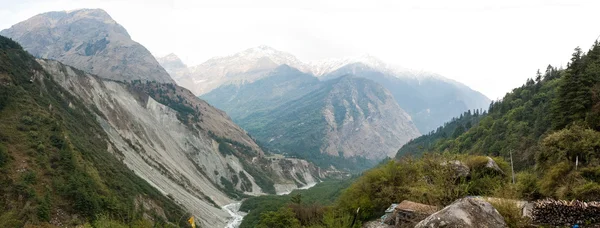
[549, 127]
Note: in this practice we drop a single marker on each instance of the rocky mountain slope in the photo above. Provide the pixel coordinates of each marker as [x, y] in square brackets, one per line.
[90, 40]
[179, 145]
[279, 86]
[333, 122]
[58, 165]
[430, 99]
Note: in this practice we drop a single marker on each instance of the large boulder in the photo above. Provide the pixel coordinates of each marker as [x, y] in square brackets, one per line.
[460, 169]
[491, 164]
[465, 212]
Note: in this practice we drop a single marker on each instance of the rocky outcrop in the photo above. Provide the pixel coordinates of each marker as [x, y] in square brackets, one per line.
[90, 40]
[408, 213]
[364, 120]
[465, 212]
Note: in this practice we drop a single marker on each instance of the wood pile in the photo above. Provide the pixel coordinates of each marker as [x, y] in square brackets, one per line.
[565, 213]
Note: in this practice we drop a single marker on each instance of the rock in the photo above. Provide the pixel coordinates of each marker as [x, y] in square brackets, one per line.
[491, 164]
[376, 224]
[460, 168]
[465, 212]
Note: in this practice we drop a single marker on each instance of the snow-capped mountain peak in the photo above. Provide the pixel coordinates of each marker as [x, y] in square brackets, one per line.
[258, 54]
[322, 67]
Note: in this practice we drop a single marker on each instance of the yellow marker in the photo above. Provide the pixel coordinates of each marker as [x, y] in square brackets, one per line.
[191, 221]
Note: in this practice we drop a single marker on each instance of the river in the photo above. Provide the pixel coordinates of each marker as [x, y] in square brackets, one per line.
[236, 215]
[234, 210]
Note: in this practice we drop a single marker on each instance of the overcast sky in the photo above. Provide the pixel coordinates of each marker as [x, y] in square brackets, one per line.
[491, 46]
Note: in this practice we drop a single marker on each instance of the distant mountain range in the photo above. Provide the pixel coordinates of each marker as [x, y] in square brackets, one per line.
[430, 99]
[335, 122]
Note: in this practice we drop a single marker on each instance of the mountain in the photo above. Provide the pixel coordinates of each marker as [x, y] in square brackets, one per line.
[58, 164]
[279, 86]
[246, 66]
[90, 40]
[173, 65]
[127, 138]
[182, 146]
[337, 122]
[428, 98]
[324, 67]
[171, 62]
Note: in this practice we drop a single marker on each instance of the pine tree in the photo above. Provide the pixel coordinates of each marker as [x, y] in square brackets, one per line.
[575, 91]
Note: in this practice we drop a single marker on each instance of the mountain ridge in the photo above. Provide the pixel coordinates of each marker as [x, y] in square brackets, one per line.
[294, 113]
[429, 98]
[88, 39]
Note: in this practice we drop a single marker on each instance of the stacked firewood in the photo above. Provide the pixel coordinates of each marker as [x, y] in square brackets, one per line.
[565, 213]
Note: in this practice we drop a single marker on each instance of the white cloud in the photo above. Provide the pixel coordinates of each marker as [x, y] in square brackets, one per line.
[492, 46]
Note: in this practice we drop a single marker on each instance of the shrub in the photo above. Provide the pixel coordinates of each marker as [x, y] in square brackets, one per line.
[588, 191]
[527, 185]
[283, 218]
[3, 155]
[335, 218]
[511, 212]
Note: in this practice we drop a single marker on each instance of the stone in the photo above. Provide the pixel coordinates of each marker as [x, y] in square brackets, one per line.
[460, 168]
[491, 164]
[465, 212]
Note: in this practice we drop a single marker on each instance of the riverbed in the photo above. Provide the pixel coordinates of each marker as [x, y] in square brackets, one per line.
[234, 211]
[237, 216]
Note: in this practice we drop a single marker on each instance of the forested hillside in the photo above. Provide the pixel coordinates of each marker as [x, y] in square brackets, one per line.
[55, 159]
[549, 124]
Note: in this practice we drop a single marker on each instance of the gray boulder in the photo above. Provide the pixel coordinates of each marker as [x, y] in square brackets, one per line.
[491, 164]
[465, 212]
[460, 169]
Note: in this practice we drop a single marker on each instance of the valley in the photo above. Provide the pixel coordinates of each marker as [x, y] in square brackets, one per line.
[97, 130]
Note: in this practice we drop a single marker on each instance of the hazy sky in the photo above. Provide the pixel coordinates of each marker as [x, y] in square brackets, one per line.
[491, 46]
